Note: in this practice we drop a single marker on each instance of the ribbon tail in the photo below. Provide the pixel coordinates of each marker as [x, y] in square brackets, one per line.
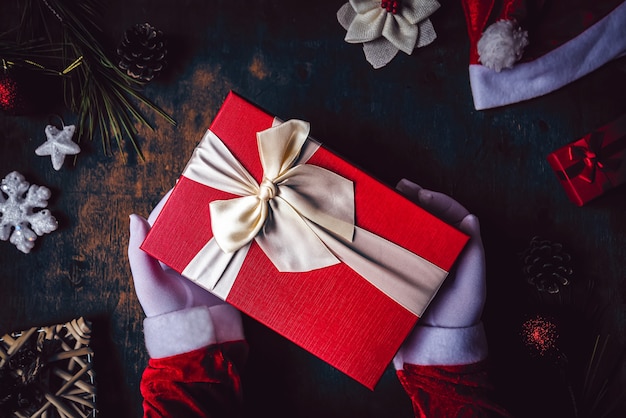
[405, 277]
[320, 196]
[215, 270]
[289, 242]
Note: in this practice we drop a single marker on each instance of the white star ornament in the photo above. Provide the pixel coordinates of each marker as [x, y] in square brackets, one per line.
[58, 144]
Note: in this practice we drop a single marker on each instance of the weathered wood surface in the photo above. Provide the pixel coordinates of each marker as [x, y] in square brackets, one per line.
[413, 118]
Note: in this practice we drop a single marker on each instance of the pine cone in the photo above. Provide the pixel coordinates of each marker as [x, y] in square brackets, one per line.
[142, 52]
[546, 265]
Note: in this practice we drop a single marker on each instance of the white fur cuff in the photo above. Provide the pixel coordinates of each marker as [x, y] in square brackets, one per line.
[179, 332]
[432, 346]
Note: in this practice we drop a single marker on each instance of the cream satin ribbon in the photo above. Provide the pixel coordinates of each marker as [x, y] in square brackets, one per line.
[302, 217]
[274, 212]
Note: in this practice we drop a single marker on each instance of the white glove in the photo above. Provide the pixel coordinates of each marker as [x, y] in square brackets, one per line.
[173, 304]
[450, 332]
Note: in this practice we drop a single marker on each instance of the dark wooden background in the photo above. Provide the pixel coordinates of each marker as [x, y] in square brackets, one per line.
[413, 118]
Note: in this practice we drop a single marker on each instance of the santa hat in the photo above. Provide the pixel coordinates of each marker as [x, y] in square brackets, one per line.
[523, 49]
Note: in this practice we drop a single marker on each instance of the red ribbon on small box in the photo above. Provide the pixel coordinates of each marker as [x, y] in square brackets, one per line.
[593, 157]
[590, 166]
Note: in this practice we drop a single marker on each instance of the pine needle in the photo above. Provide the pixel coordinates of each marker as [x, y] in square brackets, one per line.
[594, 391]
[104, 98]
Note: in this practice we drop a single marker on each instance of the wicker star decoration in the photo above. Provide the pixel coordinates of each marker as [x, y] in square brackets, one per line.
[58, 144]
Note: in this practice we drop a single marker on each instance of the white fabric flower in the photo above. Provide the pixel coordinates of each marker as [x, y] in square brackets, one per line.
[386, 27]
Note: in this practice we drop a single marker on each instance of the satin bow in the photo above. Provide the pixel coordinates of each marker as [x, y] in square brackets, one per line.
[278, 213]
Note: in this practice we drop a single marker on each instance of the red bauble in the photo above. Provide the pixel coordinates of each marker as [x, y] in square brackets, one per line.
[540, 335]
[10, 100]
[28, 92]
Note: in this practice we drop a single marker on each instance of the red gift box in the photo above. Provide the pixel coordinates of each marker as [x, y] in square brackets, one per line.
[354, 321]
[594, 164]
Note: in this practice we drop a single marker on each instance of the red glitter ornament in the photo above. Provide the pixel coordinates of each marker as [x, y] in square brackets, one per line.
[540, 335]
[28, 92]
[8, 93]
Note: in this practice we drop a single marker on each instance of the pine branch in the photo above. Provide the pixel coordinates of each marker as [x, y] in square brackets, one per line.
[33, 54]
[104, 98]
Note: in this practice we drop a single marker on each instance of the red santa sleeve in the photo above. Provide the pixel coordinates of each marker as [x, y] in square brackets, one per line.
[444, 372]
[194, 366]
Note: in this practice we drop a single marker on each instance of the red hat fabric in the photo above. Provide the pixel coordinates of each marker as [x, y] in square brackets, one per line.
[522, 49]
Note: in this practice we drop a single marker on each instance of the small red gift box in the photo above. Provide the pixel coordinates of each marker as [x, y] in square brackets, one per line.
[594, 164]
[330, 258]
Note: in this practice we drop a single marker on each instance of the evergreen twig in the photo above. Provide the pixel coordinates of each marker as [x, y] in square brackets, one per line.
[105, 99]
[29, 54]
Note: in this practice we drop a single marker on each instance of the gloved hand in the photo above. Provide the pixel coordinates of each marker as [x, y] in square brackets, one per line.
[160, 289]
[450, 332]
[181, 315]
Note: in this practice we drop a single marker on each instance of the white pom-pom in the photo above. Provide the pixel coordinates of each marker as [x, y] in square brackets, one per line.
[502, 45]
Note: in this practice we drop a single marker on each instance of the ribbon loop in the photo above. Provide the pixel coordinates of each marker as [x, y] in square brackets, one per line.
[280, 146]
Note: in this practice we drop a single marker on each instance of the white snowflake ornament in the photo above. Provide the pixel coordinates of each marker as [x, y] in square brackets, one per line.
[58, 144]
[18, 219]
